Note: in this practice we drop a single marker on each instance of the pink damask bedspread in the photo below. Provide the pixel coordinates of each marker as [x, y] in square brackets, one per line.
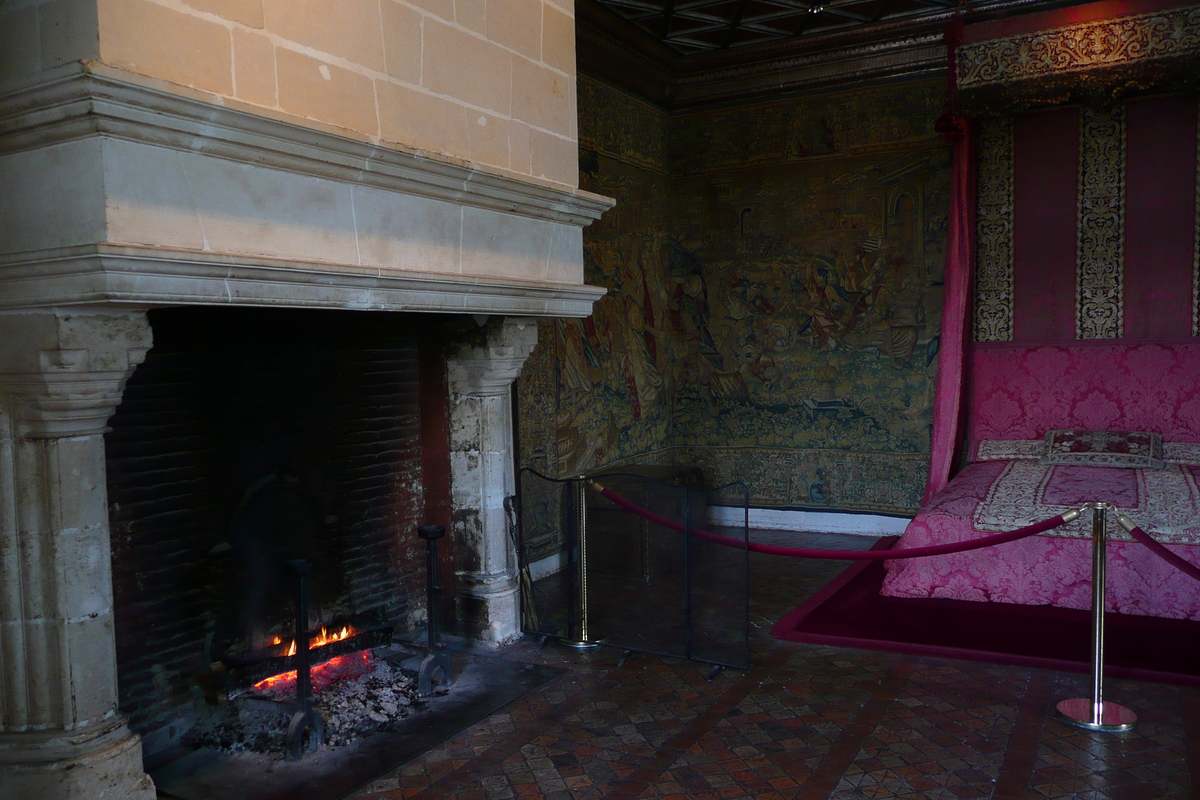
[1054, 569]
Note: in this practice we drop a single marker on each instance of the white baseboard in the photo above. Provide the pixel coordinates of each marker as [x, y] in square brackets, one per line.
[775, 519]
[771, 519]
[547, 566]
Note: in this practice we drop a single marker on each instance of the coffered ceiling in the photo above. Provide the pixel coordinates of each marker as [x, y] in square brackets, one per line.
[689, 27]
[685, 54]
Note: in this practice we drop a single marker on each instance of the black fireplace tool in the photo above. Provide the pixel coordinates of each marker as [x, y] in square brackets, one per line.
[306, 731]
[436, 669]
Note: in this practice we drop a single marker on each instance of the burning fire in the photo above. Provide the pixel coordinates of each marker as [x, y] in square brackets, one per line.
[320, 640]
[332, 671]
[322, 674]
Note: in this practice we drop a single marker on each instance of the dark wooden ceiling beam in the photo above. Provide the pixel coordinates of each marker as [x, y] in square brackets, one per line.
[835, 10]
[734, 22]
[667, 12]
[884, 9]
[804, 22]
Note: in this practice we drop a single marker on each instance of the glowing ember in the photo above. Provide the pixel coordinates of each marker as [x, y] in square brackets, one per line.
[332, 671]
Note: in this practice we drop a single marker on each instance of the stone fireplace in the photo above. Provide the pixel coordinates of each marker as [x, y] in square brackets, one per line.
[135, 182]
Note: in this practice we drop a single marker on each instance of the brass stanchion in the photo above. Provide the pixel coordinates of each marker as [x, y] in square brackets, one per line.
[1097, 714]
[579, 635]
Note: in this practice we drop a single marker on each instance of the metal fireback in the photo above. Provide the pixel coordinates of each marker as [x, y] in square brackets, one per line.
[1097, 714]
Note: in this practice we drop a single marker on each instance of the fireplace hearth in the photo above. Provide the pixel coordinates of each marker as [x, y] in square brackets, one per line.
[485, 682]
[355, 696]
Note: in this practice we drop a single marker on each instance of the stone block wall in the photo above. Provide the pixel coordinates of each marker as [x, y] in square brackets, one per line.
[489, 81]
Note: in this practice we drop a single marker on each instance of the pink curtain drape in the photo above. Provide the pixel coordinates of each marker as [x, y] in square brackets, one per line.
[948, 405]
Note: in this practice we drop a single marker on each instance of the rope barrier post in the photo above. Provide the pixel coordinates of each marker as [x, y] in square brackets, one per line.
[579, 635]
[1096, 714]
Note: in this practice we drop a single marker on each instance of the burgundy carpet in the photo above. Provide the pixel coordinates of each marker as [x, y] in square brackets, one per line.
[850, 612]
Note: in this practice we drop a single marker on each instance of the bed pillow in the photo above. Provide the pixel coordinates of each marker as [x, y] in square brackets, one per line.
[1136, 449]
[1010, 450]
[1181, 453]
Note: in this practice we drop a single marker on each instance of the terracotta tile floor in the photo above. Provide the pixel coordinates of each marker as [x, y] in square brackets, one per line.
[806, 722]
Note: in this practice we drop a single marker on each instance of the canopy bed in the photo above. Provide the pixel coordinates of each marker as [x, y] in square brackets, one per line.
[1050, 427]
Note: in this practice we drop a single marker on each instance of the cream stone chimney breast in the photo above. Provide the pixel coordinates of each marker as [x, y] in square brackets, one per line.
[128, 192]
[377, 155]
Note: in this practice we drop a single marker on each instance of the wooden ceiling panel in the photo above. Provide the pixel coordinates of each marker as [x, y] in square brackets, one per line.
[696, 27]
[683, 55]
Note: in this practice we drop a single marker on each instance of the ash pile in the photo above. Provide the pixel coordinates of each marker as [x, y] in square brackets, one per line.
[354, 706]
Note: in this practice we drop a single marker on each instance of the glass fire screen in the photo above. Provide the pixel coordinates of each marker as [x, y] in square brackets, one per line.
[651, 574]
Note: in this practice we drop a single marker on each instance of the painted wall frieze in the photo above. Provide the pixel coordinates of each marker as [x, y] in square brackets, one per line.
[1075, 48]
[1092, 62]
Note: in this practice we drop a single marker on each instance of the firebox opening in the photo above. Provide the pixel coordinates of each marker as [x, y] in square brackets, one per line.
[248, 438]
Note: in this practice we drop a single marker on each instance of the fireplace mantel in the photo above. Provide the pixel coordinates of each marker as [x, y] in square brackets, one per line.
[126, 190]
[138, 276]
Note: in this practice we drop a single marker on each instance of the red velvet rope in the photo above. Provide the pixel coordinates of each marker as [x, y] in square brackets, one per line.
[854, 555]
[1160, 550]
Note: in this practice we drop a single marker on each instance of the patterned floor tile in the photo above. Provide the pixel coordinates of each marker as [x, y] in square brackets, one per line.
[804, 722]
